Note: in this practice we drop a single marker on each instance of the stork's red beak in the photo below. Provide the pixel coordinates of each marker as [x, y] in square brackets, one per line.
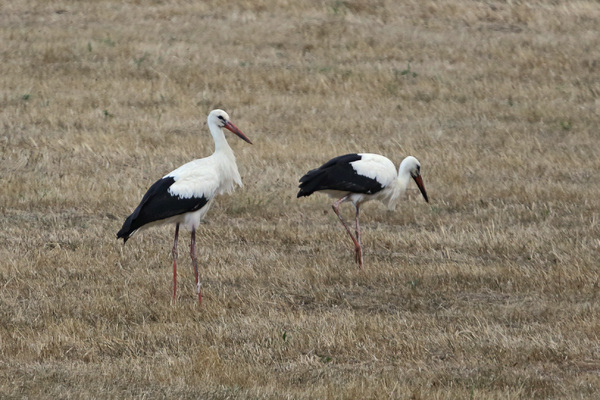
[234, 129]
[421, 186]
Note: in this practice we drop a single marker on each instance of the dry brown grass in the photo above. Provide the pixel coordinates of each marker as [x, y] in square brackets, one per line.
[490, 291]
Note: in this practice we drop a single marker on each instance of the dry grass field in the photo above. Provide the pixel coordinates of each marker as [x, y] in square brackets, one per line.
[490, 291]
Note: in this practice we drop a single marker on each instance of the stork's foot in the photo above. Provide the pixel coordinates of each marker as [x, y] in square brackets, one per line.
[199, 290]
[358, 256]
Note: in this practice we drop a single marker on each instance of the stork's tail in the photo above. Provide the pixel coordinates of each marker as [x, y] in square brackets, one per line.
[126, 230]
[303, 193]
[310, 182]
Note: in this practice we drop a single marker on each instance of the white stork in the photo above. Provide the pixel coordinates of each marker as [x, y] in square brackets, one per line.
[359, 178]
[184, 195]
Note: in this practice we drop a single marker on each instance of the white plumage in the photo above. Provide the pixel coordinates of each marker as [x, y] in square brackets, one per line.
[183, 196]
[358, 178]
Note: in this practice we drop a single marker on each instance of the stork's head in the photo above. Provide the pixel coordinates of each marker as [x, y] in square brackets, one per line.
[220, 119]
[412, 166]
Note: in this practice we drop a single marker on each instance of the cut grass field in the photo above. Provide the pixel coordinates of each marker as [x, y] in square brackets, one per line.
[489, 291]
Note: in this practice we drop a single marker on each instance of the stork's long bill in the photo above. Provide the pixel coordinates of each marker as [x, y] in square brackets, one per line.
[421, 185]
[231, 127]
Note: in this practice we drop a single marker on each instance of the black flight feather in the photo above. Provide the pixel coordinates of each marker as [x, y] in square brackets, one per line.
[338, 174]
[158, 204]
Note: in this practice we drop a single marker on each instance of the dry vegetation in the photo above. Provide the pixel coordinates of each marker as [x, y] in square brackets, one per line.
[490, 291]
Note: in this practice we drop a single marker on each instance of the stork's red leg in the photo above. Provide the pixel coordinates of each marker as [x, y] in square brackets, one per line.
[195, 263]
[357, 247]
[358, 255]
[174, 253]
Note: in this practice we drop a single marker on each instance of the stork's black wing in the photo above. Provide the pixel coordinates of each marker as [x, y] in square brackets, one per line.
[158, 204]
[338, 174]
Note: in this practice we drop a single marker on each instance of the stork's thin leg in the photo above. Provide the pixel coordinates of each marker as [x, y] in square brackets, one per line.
[174, 252]
[358, 255]
[357, 247]
[195, 263]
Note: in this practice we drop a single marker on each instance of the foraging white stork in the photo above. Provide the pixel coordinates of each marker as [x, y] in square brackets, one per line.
[183, 196]
[359, 178]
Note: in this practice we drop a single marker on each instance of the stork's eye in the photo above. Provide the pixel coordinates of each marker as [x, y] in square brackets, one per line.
[221, 118]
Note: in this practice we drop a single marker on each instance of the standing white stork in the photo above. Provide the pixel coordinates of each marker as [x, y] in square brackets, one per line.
[359, 178]
[184, 195]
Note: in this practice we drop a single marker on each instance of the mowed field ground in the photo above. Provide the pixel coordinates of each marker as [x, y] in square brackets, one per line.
[490, 291]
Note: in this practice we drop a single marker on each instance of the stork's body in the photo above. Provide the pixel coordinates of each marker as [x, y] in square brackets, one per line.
[358, 178]
[183, 196]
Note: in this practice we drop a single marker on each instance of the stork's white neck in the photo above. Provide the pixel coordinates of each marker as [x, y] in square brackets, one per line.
[398, 187]
[403, 176]
[218, 135]
[224, 160]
